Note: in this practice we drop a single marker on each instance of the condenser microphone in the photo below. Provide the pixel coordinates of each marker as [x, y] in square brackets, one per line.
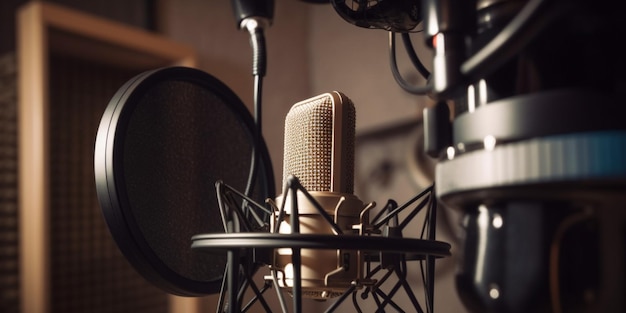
[319, 152]
[321, 242]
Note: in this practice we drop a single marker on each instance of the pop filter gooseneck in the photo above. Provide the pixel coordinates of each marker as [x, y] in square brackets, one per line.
[164, 140]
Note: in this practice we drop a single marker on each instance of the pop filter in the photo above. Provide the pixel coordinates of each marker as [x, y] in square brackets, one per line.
[164, 140]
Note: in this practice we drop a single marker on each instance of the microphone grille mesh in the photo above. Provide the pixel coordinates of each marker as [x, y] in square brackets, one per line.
[310, 143]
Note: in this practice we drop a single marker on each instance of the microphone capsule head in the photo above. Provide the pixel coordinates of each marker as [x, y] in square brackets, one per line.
[319, 143]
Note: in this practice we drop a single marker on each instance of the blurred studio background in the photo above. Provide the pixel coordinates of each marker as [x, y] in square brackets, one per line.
[61, 62]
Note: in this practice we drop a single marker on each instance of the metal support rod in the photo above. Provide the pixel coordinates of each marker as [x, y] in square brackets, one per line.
[430, 263]
[296, 256]
[233, 279]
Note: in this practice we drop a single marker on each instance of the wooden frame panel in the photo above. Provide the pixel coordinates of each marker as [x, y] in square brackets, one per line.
[43, 28]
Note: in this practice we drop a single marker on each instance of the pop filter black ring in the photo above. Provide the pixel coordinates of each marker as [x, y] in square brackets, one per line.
[111, 185]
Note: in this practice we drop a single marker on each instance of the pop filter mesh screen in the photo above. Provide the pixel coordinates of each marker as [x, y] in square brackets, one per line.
[180, 139]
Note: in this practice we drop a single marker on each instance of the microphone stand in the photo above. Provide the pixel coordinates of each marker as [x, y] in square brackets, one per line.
[379, 241]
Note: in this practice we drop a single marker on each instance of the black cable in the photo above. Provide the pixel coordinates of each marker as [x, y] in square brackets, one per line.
[256, 137]
[355, 303]
[507, 43]
[416, 90]
[259, 66]
[410, 50]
